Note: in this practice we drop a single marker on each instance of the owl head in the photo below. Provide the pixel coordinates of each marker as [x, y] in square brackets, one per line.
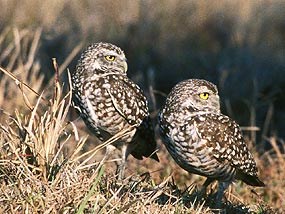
[195, 95]
[102, 58]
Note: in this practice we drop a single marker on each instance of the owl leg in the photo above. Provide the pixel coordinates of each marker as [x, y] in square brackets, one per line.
[220, 193]
[122, 166]
[201, 194]
[207, 182]
[109, 149]
[205, 185]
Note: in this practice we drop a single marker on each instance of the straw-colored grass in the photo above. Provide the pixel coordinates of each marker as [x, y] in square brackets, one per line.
[38, 176]
[50, 163]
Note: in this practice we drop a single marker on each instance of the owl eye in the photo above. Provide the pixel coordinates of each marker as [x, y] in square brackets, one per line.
[204, 95]
[110, 58]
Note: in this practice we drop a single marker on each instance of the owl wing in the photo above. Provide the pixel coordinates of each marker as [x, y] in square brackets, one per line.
[224, 136]
[128, 99]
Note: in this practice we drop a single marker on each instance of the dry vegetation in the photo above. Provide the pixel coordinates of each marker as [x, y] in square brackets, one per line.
[49, 163]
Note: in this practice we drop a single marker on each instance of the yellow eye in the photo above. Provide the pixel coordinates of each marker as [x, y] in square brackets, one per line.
[204, 96]
[110, 57]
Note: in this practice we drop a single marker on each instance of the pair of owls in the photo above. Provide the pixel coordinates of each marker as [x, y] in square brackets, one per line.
[199, 138]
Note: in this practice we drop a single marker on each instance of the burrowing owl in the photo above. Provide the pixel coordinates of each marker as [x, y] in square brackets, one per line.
[201, 139]
[109, 102]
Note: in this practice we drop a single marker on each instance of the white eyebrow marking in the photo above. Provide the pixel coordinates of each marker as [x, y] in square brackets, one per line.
[95, 65]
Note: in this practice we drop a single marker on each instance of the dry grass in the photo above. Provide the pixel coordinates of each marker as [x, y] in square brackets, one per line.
[49, 164]
[37, 175]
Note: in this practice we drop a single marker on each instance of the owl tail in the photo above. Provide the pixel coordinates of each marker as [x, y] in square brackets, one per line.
[144, 144]
[140, 156]
[250, 179]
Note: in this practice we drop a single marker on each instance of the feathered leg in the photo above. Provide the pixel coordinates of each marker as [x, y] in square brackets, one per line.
[220, 193]
[122, 166]
[109, 150]
[205, 185]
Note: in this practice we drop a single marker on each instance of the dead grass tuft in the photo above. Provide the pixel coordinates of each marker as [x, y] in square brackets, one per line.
[37, 175]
